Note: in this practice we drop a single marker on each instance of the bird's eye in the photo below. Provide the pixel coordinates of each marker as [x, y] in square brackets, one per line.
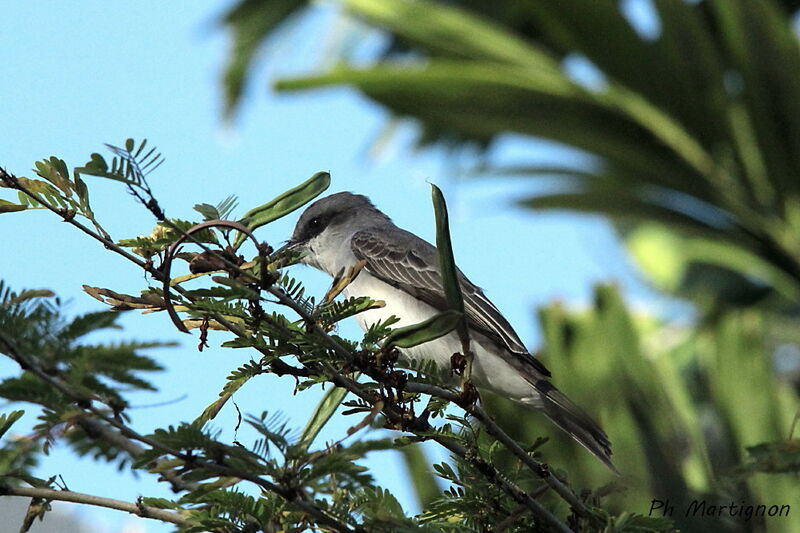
[315, 222]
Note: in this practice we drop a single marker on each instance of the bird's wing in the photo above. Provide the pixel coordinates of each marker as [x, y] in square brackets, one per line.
[409, 263]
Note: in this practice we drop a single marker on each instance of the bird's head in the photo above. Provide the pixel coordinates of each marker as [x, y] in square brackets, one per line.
[328, 223]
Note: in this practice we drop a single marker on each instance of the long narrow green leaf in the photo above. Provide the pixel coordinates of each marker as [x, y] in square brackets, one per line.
[677, 67]
[481, 99]
[251, 23]
[538, 171]
[422, 479]
[284, 204]
[623, 206]
[426, 331]
[653, 246]
[447, 263]
[688, 86]
[450, 31]
[663, 127]
[322, 414]
[746, 143]
[762, 51]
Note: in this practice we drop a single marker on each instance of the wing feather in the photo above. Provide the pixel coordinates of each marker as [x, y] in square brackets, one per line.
[407, 262]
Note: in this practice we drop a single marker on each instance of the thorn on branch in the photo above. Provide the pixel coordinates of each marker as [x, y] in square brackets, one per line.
[10, 180]
[152, 205]
[62, 484]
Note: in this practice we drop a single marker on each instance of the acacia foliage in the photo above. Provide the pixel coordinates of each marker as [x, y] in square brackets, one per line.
[283, 480]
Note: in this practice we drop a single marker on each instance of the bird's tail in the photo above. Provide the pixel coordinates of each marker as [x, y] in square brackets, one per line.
[571, 418]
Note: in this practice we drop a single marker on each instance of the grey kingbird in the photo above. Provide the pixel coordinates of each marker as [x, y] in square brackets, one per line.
[340, 230]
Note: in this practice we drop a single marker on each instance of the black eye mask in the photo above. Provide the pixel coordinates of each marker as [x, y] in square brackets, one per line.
[317, 225]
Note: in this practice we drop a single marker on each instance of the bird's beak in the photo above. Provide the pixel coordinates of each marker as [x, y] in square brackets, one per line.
[289, 254]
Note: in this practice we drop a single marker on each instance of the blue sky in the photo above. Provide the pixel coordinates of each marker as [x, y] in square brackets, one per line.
[78, 75]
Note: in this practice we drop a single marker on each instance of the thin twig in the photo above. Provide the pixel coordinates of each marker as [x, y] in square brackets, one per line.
[138, 509]
[288, 494]
[509, 487]
[494, 430]
[95, 428]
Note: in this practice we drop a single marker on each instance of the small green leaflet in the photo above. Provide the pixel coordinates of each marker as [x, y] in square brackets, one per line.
[7, 420]
[10, 207]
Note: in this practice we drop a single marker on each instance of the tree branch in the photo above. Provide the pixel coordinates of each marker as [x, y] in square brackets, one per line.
[495, 431]
[137, 508]
[94, 427]
[84, 403]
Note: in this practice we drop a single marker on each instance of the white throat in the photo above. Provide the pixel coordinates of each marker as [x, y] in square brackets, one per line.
[330, 251]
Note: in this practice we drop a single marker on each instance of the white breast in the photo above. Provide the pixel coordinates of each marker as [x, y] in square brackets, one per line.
[490, 369]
